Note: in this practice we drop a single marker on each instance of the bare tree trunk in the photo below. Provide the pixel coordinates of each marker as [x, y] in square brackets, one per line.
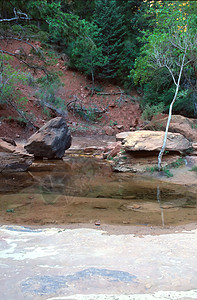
[170, 115]
[93, 81]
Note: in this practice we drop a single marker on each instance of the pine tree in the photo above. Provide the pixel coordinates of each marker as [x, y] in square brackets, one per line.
[84, 53]
[108, 18]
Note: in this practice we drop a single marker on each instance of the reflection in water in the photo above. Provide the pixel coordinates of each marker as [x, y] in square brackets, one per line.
[159, 201]
[86, 190]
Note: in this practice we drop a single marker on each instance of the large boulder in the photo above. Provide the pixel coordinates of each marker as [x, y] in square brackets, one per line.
[14, 162]
[185, 126]
[13, 157]
[145, 140]
[51, 140]
[6, 147]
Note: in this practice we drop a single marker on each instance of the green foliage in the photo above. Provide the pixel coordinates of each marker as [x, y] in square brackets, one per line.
[96, 88]
[151, 110]
[50, 78]
[47, 94]
[174, 32]
[194, 169]
[9, 77]
[82, 8]
[112, 123]
[167, 172]
[46, 111]
[176, 164]
[22, 121]
[108, 18]
[30, 80]
[103, 39]
[93, 33]
[152, 169]
[62, 26]
[84, 54]
[89, 114]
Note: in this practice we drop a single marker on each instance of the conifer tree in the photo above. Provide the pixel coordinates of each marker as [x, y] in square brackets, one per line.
[108, 18]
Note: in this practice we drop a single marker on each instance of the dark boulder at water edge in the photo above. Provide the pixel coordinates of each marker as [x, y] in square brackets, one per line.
[51, 140]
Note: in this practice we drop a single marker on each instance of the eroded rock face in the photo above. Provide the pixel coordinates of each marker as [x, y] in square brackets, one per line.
[6, 147]
[179, 124]
[13, 162]
[145, 140]
[13, 158]
[112, 150]
[51, 140]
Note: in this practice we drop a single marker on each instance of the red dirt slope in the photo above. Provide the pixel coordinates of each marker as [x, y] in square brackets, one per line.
[122, 111]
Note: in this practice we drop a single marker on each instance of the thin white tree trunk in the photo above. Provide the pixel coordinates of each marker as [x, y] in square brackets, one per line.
[170, 115]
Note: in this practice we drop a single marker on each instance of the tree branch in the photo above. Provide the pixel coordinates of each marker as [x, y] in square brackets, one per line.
[24, 62]
[18, 15]
[20, 40]
[170, 114]
[171, 74]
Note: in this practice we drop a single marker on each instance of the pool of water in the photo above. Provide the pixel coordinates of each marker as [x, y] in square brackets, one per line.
[85, 190]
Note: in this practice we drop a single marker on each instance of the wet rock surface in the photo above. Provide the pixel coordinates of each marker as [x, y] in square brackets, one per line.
[90, 263]
[51, 140]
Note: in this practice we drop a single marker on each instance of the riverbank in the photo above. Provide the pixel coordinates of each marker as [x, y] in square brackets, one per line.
[182, 174]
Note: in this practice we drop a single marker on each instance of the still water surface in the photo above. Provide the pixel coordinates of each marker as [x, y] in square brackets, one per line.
[85, 190]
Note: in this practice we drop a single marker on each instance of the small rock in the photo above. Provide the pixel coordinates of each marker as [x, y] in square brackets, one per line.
[97, 223]
[108, 130]
[125, 222]
[90, 149]
[115, 151]
[194, 145]
[112, 104]
[148, 286]
[167, 206]
[134, 206]
[122, 135]
[17, 51]
[119, 127]
[130, 207]
[100, 207]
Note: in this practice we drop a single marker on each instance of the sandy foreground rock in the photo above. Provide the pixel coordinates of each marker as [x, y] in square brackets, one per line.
[87, 263]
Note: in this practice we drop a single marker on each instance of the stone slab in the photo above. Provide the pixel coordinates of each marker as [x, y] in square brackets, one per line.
[85, 263]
